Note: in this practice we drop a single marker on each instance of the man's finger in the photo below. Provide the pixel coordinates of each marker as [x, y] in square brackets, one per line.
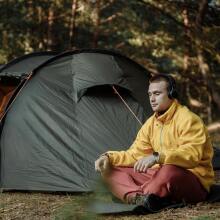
[135, 166]
[98, 165]
[139, 165]
[145, 167]
[104, 166]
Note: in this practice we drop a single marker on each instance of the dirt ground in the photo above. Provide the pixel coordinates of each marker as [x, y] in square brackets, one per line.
[18, 205]
[40, 206]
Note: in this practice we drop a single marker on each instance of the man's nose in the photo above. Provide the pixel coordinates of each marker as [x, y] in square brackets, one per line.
[152, 98]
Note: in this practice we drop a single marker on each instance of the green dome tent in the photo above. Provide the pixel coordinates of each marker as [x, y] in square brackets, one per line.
[66, 115]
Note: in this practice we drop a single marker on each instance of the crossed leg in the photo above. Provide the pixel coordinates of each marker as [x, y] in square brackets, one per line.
[166, 181]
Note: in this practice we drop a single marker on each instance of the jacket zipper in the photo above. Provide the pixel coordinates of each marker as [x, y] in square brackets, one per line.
[161, 142]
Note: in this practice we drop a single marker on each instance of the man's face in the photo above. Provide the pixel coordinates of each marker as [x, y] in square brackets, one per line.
[158, 96]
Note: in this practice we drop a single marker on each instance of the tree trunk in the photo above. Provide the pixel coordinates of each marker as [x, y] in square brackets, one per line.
[50, 28]
[202, 65]
[97, 25]
[187, 40]
[72, 28]
[5, 39]
[186, 82]
[40, 27]
[29, 42]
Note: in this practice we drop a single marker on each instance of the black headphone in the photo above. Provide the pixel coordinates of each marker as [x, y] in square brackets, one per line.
[172, 91]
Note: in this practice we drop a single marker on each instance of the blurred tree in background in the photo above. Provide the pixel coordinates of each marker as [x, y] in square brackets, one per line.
[181, 37]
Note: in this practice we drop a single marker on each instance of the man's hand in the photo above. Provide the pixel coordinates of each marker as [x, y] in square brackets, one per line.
[102, 164]
[144, 163]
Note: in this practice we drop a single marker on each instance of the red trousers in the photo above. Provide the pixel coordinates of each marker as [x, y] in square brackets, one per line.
[166, 181]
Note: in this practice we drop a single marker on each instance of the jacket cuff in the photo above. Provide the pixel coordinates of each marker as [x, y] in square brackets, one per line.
[108, 155]
[104, 154]
[161, 158]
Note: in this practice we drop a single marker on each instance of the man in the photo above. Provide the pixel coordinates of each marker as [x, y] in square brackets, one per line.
[170, 160]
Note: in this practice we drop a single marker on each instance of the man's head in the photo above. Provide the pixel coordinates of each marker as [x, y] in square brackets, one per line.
[162, 91]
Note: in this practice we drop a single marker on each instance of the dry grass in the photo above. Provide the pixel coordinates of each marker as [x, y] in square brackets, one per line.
[25, 206]
[18, 205]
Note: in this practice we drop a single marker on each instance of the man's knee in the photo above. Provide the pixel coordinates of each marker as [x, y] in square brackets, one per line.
[172, 174]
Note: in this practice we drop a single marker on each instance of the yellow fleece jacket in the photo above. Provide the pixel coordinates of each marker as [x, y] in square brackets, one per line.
[181, 139]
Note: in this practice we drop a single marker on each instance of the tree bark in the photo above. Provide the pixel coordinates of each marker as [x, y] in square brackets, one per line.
[30, 41]
[40, 27]
[50, 28]
[201, 13]
[72, 28]
[187, 41]
[97, 25]
[185, 89]
[5, 39]
[202, 65]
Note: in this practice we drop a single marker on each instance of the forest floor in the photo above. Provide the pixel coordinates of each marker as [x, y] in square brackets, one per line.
[45, 206]
[39, 206]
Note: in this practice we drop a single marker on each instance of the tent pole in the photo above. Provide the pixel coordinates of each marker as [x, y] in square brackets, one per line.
[127, 106]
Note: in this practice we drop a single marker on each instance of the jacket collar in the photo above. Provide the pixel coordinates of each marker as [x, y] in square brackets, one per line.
[167, 116]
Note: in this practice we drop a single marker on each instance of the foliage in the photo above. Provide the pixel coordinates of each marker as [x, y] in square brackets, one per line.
[180, 37]
[76, 209]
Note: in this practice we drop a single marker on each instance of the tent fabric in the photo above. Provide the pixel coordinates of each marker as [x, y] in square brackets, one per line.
[12, 72]
[67, 115]
[24, 64]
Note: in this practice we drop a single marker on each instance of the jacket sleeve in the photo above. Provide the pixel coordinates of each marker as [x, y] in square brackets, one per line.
[140, 147]
[192, 142]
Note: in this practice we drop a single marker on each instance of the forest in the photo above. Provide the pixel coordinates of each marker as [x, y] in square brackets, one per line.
[179, 37]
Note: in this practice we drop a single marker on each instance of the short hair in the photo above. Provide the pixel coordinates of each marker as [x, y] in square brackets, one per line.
[171, 88]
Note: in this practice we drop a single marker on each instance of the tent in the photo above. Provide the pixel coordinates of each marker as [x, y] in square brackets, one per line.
[66, 115]
[12, 73]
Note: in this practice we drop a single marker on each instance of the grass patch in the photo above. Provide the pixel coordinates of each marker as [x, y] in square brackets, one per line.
[77, 208]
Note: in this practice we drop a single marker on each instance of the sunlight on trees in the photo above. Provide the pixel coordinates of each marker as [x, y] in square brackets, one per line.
[176, 36]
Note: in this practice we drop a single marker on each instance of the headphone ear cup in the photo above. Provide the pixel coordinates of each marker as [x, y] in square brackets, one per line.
[173, 93]
[170, 93]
